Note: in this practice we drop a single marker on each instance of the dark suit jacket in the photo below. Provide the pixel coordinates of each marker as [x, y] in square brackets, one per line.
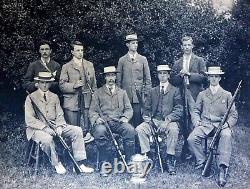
[174, 107]
[130, 73]
[33, 70]
[197, 69]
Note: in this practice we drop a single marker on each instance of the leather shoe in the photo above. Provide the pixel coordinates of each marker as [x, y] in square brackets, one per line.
[222, 177]
[171, 166]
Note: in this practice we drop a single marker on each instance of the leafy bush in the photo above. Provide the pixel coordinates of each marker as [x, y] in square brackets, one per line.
[102, 26]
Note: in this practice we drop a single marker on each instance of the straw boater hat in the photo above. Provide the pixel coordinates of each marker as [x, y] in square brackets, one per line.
[163, 68]
[214, 70]
[44, 76]
[110, 69]
[131, 37]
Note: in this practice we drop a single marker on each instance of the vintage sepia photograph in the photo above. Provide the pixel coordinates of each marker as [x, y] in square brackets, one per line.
[124, 94]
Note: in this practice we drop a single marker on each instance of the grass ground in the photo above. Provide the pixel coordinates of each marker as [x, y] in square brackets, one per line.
[15, 174]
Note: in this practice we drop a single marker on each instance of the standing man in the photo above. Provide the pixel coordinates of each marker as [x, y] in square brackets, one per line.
[133, 74]
[164, 106]
[114, 105]
[211, 105]
[188, 73]
[45, 64]
[37, 129]
[77, 78]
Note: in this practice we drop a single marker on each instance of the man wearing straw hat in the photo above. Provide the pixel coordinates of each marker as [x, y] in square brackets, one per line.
[115, 108]
[210, 107]
[37, 130]
[164, 106]
[134, 74]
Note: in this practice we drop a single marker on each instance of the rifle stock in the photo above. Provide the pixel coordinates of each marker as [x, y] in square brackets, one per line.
[155, 137]
[113, 139]
[50, 124]
[152, 125]
[186, 126]
[215, 139]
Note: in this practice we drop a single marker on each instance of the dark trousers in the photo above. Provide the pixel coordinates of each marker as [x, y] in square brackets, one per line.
[71, 118]
[102, 137]
[137, 115]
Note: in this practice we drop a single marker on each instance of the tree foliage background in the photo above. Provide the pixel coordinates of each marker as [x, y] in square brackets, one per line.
[102, 26]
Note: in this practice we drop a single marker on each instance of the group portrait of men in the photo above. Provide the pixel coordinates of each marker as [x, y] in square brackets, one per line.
[129, 106]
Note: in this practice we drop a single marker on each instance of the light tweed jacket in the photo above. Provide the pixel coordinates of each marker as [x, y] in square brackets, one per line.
[51, 109]
[210, 109]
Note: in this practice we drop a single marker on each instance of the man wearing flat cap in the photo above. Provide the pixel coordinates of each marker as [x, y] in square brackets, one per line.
[37, 129]
[112, 104]
[133, 73]
[210, 107]
[164, 107]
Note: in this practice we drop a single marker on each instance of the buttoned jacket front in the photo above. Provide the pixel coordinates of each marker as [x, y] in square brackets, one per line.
[70, 74]
[50, 108]
[133, 74]
[210, 109]
[114, 105]
[173, 108]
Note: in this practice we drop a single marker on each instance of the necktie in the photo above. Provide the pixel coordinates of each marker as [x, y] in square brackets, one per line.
[44, 96]
[162, 90]
[111, 89]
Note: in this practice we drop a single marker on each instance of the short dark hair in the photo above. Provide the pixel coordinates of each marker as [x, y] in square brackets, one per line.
[75, 43]
[44, 42]
[187, 38]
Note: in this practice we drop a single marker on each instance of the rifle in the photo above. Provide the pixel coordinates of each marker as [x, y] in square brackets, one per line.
[140, 98]
[81, 101]
[215, 140]
[113, 138]
[152, 128]
[185, 116]
[51, 125]
[155, 138]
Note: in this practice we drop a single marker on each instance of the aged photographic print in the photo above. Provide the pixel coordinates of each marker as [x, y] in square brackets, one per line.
[120, 94]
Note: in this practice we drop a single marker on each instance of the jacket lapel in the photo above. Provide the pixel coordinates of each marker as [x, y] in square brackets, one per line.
[155, 99]
[192, 60]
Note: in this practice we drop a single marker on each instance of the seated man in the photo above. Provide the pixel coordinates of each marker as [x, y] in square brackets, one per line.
[39, 131]
[112, 104]
[211, 105]
[164, 106]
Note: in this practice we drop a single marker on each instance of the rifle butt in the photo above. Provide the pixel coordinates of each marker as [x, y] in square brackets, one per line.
[207, 168]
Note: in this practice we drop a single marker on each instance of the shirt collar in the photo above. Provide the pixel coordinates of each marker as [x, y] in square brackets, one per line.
[77, 61]
[43, 61]
[42, 93]
[164, 85]
[132, 55]
[214, 89]
[113, 88]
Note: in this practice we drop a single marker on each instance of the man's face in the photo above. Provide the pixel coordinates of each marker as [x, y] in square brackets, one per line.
[132, 46]
[45, 51]
[110, 78]
[44, 85]
[163, 76]
[78, 51]
[187, 46]
[214, 79]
